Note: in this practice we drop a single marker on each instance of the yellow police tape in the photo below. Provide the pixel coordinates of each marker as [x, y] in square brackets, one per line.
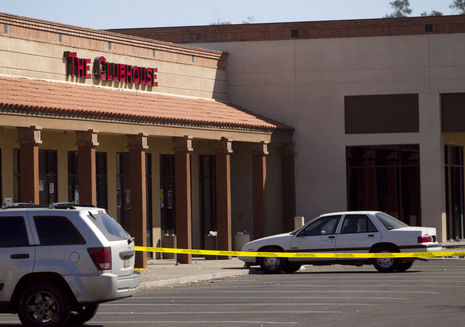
[303, 254]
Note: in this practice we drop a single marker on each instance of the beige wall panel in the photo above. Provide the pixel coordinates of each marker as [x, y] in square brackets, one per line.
[274, 79]
[361, 53]
[257, 57]
[362, 76]
[447, 50]
[277, 102]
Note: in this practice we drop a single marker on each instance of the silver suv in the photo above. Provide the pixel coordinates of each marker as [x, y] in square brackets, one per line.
[57, 264]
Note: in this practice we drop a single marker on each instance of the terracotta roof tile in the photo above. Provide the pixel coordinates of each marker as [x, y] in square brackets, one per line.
[66, 98]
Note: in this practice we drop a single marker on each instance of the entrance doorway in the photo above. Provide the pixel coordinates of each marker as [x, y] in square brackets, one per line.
[453, 159]
[207, 200]
[48, 177]
[167, 195]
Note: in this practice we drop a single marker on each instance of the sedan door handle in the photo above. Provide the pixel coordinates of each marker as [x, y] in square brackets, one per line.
[332, 236]
[19, 256]
[371, 235]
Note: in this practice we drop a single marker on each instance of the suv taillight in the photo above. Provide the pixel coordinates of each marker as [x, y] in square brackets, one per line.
[424, 239]
[101, 257]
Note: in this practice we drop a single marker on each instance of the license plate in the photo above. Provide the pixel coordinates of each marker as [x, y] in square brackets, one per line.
[126, 263]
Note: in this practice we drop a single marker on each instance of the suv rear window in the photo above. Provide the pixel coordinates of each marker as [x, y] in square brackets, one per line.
[109, 226]
[13, 232]
[57, 230]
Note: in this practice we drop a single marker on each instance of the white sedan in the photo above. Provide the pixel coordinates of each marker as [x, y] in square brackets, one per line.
[351, 231]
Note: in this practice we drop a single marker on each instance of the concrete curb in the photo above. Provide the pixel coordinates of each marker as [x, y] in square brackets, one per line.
[189, 279]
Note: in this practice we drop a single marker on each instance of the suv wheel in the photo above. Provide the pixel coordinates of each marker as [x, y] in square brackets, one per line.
[81, 315]
[43, 305]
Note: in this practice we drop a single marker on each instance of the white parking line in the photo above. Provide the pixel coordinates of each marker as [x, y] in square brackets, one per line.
[190, 322]
[227, 290]
[354, 285]
[241, 304]
[216, 312]
[274, 297]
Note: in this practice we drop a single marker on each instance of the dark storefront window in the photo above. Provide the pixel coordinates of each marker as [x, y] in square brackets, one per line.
[385, 178]
[1, 194]
[148, 185]
[167, 194]
[123, 192]
[102, 183]
[101, 177]
[207, 195]
[48, 177]
[73, 180]
[16, 187]
[453, 159]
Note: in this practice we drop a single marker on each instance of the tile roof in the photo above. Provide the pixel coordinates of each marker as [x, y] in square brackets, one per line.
[66, 99]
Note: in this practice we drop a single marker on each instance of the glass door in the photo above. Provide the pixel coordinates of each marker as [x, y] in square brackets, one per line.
[454, 191]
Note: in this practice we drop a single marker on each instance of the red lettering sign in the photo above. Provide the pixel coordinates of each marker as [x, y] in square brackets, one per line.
[108, 71]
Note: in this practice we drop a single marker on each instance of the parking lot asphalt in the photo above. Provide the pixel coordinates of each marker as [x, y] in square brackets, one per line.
[429, 294]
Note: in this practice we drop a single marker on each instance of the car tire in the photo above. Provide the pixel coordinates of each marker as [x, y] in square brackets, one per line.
[43, 305]
[291, 267]
[84, 314]
[404, 265]
[271, 265]
[385, 264]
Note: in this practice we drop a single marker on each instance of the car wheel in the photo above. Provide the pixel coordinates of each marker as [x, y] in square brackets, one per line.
[385, 264]
[404, 265]
[43, 305]
[291, 267]
[83, 314]
[271, 265]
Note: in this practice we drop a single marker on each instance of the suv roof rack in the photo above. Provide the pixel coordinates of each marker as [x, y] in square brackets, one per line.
[19, 205]
[56, 205]
[68, 205]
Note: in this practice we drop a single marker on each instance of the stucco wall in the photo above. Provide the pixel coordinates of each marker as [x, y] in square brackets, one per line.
[303, 83]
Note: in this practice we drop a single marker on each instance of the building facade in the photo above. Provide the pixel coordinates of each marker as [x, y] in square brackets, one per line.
[142, 128]
[378, 108]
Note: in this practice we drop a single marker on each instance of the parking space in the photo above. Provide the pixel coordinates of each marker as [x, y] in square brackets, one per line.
[430, 294]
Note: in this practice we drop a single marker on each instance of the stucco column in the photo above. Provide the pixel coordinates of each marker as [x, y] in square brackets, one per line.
[86, 142]
[137, 144]
[259, 153]
[223, 150]
[182, 171]
[288, 185]
[29, 139]
[433, 197]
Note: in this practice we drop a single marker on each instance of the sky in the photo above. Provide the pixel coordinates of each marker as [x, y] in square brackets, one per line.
[104, 14]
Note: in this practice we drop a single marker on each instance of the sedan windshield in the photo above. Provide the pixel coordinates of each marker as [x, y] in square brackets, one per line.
[389, 221]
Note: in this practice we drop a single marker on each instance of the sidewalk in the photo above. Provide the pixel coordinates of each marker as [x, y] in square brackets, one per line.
[166, 273]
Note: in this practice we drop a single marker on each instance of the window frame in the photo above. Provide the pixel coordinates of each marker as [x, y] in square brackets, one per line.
[313, 223]
[351, 216]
